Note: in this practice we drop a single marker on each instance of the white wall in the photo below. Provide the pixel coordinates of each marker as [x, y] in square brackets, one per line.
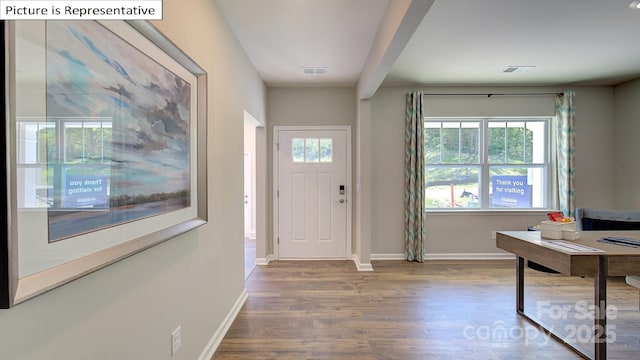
[627, 149]
[362, 223]
[470, 234]
[595, 147]
[128, 310]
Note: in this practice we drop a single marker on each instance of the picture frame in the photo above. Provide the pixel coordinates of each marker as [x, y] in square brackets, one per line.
[105, 128]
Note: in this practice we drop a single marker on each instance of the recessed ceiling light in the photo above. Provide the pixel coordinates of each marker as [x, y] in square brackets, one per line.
[518, 69]
[635, 5]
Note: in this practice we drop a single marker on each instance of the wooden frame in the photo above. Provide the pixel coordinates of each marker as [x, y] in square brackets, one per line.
[113, 104]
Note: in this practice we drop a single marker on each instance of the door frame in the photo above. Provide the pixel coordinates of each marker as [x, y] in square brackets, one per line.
[276, 169]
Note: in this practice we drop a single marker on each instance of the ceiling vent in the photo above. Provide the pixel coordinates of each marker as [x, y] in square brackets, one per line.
[315, 70]
[517, 69]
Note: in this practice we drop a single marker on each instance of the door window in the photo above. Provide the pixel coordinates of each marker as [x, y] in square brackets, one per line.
[311, 150]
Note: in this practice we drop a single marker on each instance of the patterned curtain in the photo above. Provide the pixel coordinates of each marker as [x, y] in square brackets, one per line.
[414, 178]
[565, 112]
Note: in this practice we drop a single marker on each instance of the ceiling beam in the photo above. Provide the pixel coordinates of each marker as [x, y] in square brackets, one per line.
[398, 25]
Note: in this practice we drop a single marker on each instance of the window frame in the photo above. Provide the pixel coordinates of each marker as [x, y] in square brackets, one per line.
[548, 165]
[59, 164]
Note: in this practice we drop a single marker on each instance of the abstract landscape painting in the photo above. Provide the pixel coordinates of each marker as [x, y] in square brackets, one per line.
[123, 121]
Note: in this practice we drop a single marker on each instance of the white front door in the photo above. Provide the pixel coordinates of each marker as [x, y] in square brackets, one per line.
[312, 193]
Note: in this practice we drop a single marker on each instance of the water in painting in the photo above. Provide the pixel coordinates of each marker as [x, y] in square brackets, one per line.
[118, 145]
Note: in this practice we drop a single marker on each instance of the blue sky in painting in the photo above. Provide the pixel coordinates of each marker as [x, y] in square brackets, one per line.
[93, 73]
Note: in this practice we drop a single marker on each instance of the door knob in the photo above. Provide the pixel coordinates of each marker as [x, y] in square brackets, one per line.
[342, 201]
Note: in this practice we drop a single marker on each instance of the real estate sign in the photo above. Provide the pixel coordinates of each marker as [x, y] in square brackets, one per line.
[511, 191]
[85, 192]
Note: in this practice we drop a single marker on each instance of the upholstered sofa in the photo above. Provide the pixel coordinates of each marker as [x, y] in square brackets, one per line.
[600, 219]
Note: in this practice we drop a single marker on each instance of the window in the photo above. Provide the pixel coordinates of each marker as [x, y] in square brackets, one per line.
[492, 163]
[312, 150]
[69, 155]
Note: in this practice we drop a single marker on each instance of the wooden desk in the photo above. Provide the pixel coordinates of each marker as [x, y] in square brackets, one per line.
[605, 259]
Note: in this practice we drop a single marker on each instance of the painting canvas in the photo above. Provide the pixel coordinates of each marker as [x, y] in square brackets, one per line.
[121, 121]
[106, 148]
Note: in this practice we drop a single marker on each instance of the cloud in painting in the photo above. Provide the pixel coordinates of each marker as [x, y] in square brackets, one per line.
[92, 73]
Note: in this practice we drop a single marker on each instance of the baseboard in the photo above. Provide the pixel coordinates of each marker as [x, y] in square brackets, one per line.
[388, 257]
[470, 256]
[448, 256]
[361, 266]
[217, 337]
[265, 261]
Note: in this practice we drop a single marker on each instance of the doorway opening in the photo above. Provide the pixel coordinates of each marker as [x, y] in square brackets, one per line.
[250, 124]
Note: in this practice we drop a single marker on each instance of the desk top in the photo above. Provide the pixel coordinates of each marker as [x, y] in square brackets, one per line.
[573, 257]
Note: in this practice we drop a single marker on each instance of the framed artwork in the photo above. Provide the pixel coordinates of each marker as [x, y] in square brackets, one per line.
[105, 136]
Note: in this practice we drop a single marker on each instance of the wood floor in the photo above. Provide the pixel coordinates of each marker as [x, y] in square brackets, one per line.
[436, 310]
[249, 256]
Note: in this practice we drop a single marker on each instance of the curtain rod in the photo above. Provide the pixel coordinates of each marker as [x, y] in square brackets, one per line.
[496, 94]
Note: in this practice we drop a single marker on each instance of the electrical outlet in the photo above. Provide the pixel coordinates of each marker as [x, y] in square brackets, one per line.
[176, 340]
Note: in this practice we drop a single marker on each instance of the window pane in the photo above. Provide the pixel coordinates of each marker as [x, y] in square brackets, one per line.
[73, 142]
[47, 142]
[516, 142]
[34, 188]
[537, 153]
[452, 187]
[312, 150]
[496, 142]
[469, 143]
[432, 142]
[107, 140]
[326, 150]
[92, 142]
[516, 187]
[297, 150]
[451, 143]
[27, 143]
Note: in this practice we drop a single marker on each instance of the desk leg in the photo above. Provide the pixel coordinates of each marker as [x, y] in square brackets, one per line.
[600, 299]
[600, 294]
[520, 284]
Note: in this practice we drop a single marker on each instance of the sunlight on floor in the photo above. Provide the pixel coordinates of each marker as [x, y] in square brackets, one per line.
[249, 256]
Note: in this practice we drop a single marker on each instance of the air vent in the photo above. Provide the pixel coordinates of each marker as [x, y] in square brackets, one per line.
[315, 70]
[517, 69]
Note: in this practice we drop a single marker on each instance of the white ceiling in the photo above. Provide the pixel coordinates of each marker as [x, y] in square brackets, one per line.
[281, 37]
[458, 42]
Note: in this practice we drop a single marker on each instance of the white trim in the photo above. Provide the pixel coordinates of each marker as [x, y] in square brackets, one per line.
[275, 160]
[361, 266]
[217, 337]
[313, 259]
[470, 256]
[265, 261]
[449, 256]
[388, 257]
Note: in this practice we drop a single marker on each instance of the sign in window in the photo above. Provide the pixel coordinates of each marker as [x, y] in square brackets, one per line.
[510, 191]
